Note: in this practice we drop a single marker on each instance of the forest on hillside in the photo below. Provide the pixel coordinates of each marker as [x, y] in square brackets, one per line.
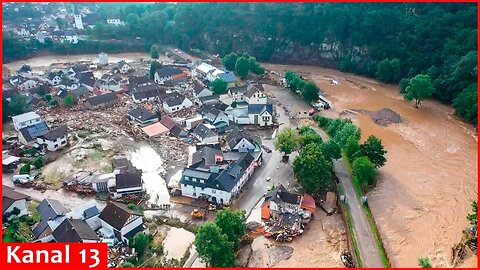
[391, 42]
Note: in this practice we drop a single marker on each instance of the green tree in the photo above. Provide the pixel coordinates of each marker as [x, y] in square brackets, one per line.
[18, 105]
[53, 102]
[230, 60]
[347, 130]
[286, 141]
[331, 150]
[68, 100]
[466, 104]
[310, 91]
[365, 171]
[242, 67]
[38, 162]
[126, 265]
[140, 242]
[213, 246]
[25, 169]
[352, 148]
[373, 149]
[232, 224]
[308, 138]
[154, 65]
[419, 88]
[154, 54]
[219, 86]
[472, 218]
[312, 170]
[424, 262]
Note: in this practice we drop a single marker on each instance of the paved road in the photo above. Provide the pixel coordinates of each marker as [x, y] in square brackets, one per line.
[364, 236]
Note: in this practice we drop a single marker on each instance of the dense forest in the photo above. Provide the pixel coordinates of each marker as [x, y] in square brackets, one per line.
[391, 42]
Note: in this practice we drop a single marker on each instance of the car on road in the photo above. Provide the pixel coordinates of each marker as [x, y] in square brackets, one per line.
[22, 178]
[268, 179]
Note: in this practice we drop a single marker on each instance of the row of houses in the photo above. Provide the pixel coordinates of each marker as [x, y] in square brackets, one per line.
[86, 223]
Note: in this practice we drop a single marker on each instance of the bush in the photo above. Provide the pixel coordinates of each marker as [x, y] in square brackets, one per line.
[38, 162]
[25, 169]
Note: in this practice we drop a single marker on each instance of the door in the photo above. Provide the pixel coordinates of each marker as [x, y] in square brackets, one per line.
[255, 121]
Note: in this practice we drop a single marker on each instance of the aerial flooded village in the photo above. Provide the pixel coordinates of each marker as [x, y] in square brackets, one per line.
[168, 143]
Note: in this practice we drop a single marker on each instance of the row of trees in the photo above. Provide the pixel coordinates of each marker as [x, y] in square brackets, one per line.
[216, 241]
[242, 64]
[365, 158]
[313, 166]
[308, 89]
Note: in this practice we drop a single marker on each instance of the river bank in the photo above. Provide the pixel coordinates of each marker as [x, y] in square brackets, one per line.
[430, 177]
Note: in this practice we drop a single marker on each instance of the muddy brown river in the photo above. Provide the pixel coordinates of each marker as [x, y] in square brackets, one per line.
[425, 189]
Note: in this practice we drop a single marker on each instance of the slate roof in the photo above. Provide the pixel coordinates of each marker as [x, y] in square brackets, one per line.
[30, 133]
[128, 179]
[280, 194]
[253, 88]
[227, 76]
[141, 114]
[80, 68]
[101, 99]
[234, 137]
[122, 63]
[238, 89]
[139, 80]
[168, 71]
[204, 132]
[260, 108]
[175, 101]
[116, 214]
[80, 91]
[198, 87]
[178, 131]
[205, 157]
[74, 231]
[189, 173]
[10, 196]
[87, 79]
[56, 133]
[50, 209]
[52, 75]
[229, 177]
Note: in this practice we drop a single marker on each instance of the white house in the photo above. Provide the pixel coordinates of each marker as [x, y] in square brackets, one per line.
[219, 186]
[237, 93]
[200, 90]
[55, 139]
[28, 135]
[102, 59]
[260, 114]
[205, 135]
[116, 22]
[168, 73]
[69, 37]
[237, 141]
[11, 200]
[89, 211]
[215, 117]
[54, 78]
[26, 119]
[255, 94]
[125, 183]
[78, 21]
[21, 31]
[124, 67]
[119, 222]
[176, 103]
[23, 83]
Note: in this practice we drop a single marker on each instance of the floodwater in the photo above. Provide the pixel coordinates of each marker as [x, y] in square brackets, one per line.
[40, 63]
[177, 242]
[146, 159]
[425, 189]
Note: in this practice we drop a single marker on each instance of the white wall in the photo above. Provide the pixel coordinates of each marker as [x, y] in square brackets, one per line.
[60, 143]
[244, 146]
[130, 226]
[19, 125]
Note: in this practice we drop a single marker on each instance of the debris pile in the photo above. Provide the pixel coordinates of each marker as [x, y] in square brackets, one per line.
[283, 232]
[384, 117]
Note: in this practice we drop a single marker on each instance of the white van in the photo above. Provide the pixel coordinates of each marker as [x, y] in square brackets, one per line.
[22, 178]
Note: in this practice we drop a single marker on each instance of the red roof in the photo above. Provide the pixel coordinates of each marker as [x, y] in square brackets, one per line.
[308, 203]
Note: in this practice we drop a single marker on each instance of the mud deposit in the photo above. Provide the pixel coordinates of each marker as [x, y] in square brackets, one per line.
[384, 117]
[425, 189]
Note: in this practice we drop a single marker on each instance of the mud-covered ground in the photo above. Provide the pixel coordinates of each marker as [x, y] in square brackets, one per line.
[425, 189]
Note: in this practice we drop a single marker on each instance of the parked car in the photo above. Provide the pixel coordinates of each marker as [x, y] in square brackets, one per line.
[22, 178]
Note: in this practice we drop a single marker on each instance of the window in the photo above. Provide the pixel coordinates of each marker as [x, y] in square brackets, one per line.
[56, 145]
[214, 191]
[186, 178]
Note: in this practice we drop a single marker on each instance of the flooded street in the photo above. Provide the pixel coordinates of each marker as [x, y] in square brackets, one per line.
[177, 242]
[425, 189]
[146, 159]
[42, 62]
